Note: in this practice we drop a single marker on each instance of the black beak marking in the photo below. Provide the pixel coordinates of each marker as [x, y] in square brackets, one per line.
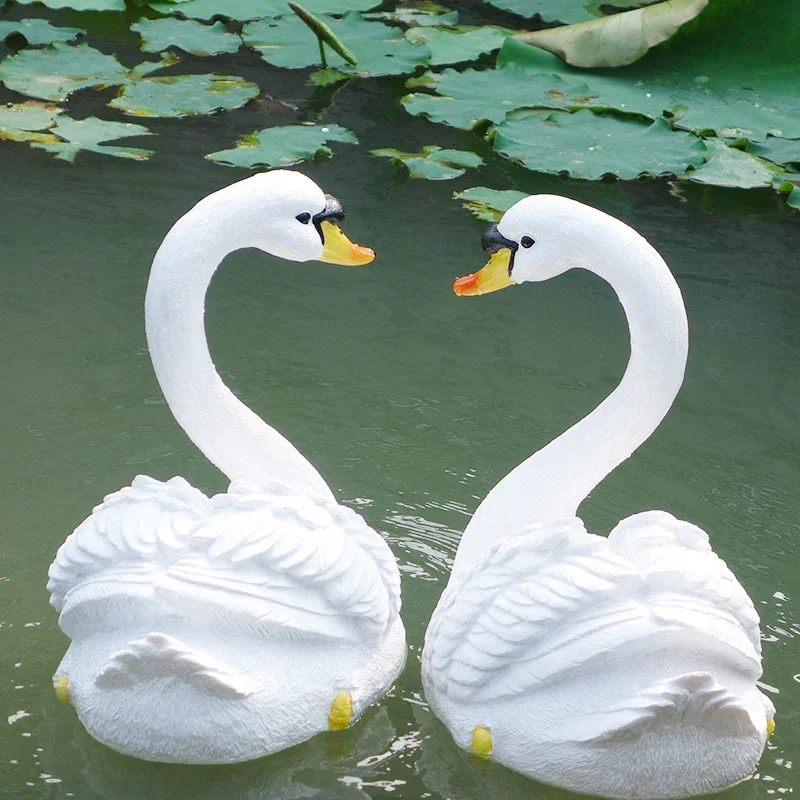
[333, 212]
[492, 241]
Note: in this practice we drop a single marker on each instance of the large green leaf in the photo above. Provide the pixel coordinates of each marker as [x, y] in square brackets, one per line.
[488, 204]
[727, 166]
[88, 134]
[81, 5]
[59, 69]
[433, 163]
[25, 122]
[587, 145]
[184, 95]
[464, 99]
[38, 31]
[186, 34]
[243, 10]
[566, 11]
[380, 50]
[779, 151]
[619, 39]
[283, 146]
[463, 43]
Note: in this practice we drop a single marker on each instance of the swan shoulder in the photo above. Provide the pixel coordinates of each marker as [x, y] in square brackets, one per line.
[146, 522]
[544, 604]
[158, 655]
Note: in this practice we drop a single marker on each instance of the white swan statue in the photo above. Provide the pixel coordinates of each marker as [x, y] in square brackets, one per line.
[623, 666]
[214, 630]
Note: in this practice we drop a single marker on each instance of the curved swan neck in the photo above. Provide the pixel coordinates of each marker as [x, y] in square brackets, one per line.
[229, 434]
[553, 482]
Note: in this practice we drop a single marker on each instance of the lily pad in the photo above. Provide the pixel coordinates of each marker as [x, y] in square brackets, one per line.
[430, 14]
[80, 5]
[184, 95]
[566, 11]
[779, 151]
[433, 163]
[38, 31]
[380, 50]
[88, 134]
[727, 166]
[283, 146]
[25, 122]
[243, 10]
[793, 200]
[488, 204]
[588, 145]
[186, 34]
[466, 99]
[454, 45]
[619, 39]
[59, 69]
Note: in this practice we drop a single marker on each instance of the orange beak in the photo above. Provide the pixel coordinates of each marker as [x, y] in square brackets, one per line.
[491, 278]
[338, 249]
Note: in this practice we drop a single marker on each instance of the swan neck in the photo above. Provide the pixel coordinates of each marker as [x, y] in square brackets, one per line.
[235, 439]
[552, 483]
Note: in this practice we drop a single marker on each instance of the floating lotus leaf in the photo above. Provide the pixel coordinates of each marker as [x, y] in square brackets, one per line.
[727, 166]
[88, 134]
[380, 50]
[751, 120]
[283, 146]
[59, 69]
[566, 11]
[417, 14]
[38, 31]
[588, 145]
[186, 34]
[25, 121]
[488, 204]
[465, 99]
[454, 45]
[184, 95]
[619, 39]
[793, 200]
[80, 5]
[433, 163]
[243, 10]
[779, 151]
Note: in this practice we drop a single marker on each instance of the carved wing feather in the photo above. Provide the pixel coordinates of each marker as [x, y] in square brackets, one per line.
[545, 602]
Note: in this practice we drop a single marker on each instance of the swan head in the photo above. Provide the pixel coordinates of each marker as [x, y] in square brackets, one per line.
[537, 238]
[289, 216]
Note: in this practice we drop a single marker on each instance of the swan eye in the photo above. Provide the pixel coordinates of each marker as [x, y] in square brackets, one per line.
[527, 242]
[305, 218]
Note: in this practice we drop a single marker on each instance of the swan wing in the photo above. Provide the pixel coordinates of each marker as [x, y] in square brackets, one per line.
[159, 656]
[297, 565]
[146, 523]
[542, 605]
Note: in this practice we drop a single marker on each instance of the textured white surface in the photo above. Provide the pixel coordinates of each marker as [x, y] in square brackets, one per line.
[623, 666]
[210, 630]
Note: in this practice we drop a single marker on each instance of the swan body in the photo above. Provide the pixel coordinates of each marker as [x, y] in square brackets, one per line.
[622, 666]
[221, 629]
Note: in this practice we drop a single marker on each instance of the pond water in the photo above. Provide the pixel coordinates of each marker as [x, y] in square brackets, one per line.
[410, 401]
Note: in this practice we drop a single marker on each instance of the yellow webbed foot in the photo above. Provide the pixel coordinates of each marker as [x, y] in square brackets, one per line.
[341, 712]
[481, 741]
[61, 686]
[770, 727]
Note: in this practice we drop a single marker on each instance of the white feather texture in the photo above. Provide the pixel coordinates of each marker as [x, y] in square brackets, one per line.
[622, 666]
[221, 629]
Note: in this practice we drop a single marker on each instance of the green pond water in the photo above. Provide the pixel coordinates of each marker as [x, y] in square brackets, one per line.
[410, 401]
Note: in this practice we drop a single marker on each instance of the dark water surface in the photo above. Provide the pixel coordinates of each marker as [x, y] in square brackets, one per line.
[411, 402]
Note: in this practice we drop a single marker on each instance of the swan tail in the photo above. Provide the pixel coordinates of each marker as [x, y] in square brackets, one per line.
[694, 700]
[159, 657]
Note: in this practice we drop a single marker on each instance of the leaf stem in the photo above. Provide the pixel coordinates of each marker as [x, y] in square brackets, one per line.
[322, 58]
